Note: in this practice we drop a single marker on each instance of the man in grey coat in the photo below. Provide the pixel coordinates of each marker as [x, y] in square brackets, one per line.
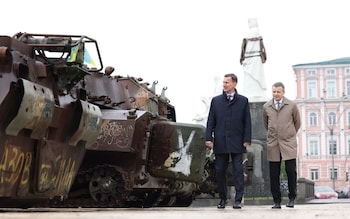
[282, 121]
[229, 133]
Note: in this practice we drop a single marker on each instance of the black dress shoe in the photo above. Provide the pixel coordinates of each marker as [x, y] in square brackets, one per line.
[237, 205]
[222, 204]
[290, 203]
[276, 206]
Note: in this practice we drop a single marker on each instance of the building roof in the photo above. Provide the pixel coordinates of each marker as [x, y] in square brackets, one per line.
[340, 61]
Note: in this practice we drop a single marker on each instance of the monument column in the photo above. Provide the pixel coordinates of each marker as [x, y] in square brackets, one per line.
[253, 56]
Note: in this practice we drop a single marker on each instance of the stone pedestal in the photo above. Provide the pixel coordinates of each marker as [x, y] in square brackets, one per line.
[260, 186]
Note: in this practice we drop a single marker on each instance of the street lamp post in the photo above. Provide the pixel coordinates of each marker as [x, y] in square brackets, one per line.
[331, 125]
[332, 150]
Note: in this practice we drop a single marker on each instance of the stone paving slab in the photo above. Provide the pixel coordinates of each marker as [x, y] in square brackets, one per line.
[302, 211]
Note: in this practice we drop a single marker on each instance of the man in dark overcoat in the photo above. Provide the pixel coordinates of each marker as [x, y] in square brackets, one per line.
[228, 132]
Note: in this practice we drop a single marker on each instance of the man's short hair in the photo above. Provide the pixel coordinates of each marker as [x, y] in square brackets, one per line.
[278, 84]
[233, 77]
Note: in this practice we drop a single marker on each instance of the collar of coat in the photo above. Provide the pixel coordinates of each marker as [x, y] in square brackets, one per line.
[286, 101]
[234, 94]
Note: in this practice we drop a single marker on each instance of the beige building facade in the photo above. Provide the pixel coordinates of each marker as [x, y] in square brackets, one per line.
[323, 98]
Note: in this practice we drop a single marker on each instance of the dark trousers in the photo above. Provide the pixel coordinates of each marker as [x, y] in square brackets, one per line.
[275, 170]
[221, 165]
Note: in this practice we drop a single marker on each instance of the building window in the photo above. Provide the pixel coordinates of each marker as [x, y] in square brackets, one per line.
[313, 150]
[311, 88]
[332, 147]
[314, 174]
[348, 119]
[348, 88]
[311, 72]
[348, 152]
[332, 119]
[313, 119]
[330, 72]
[335, 177]
[331, 88]
[347, 71]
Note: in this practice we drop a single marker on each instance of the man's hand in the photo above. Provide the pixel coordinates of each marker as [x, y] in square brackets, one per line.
[246, 144]
[209, 144]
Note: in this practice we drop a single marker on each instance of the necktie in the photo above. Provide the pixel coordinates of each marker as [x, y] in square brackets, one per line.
[278, 106]
[229, 97]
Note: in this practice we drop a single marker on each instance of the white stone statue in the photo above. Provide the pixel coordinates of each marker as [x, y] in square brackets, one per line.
[201, 118]
[253, 55]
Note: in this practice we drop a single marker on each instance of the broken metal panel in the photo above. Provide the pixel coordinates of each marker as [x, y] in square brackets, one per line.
[177, 151]
[106, 91]
[16, 165]
[15, 45]
[5, 57]
[40, 70]
[139, 96]
[57, 167]
[35, 111]
[89, 119]
[122, 130]
[68, 77]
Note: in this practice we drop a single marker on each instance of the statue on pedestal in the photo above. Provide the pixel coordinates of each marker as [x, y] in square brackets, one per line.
[253, 55]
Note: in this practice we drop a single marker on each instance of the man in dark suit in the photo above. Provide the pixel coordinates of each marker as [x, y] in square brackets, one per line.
[229, 133]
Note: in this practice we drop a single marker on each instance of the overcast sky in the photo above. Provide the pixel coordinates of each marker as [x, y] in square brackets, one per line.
[186, 44]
